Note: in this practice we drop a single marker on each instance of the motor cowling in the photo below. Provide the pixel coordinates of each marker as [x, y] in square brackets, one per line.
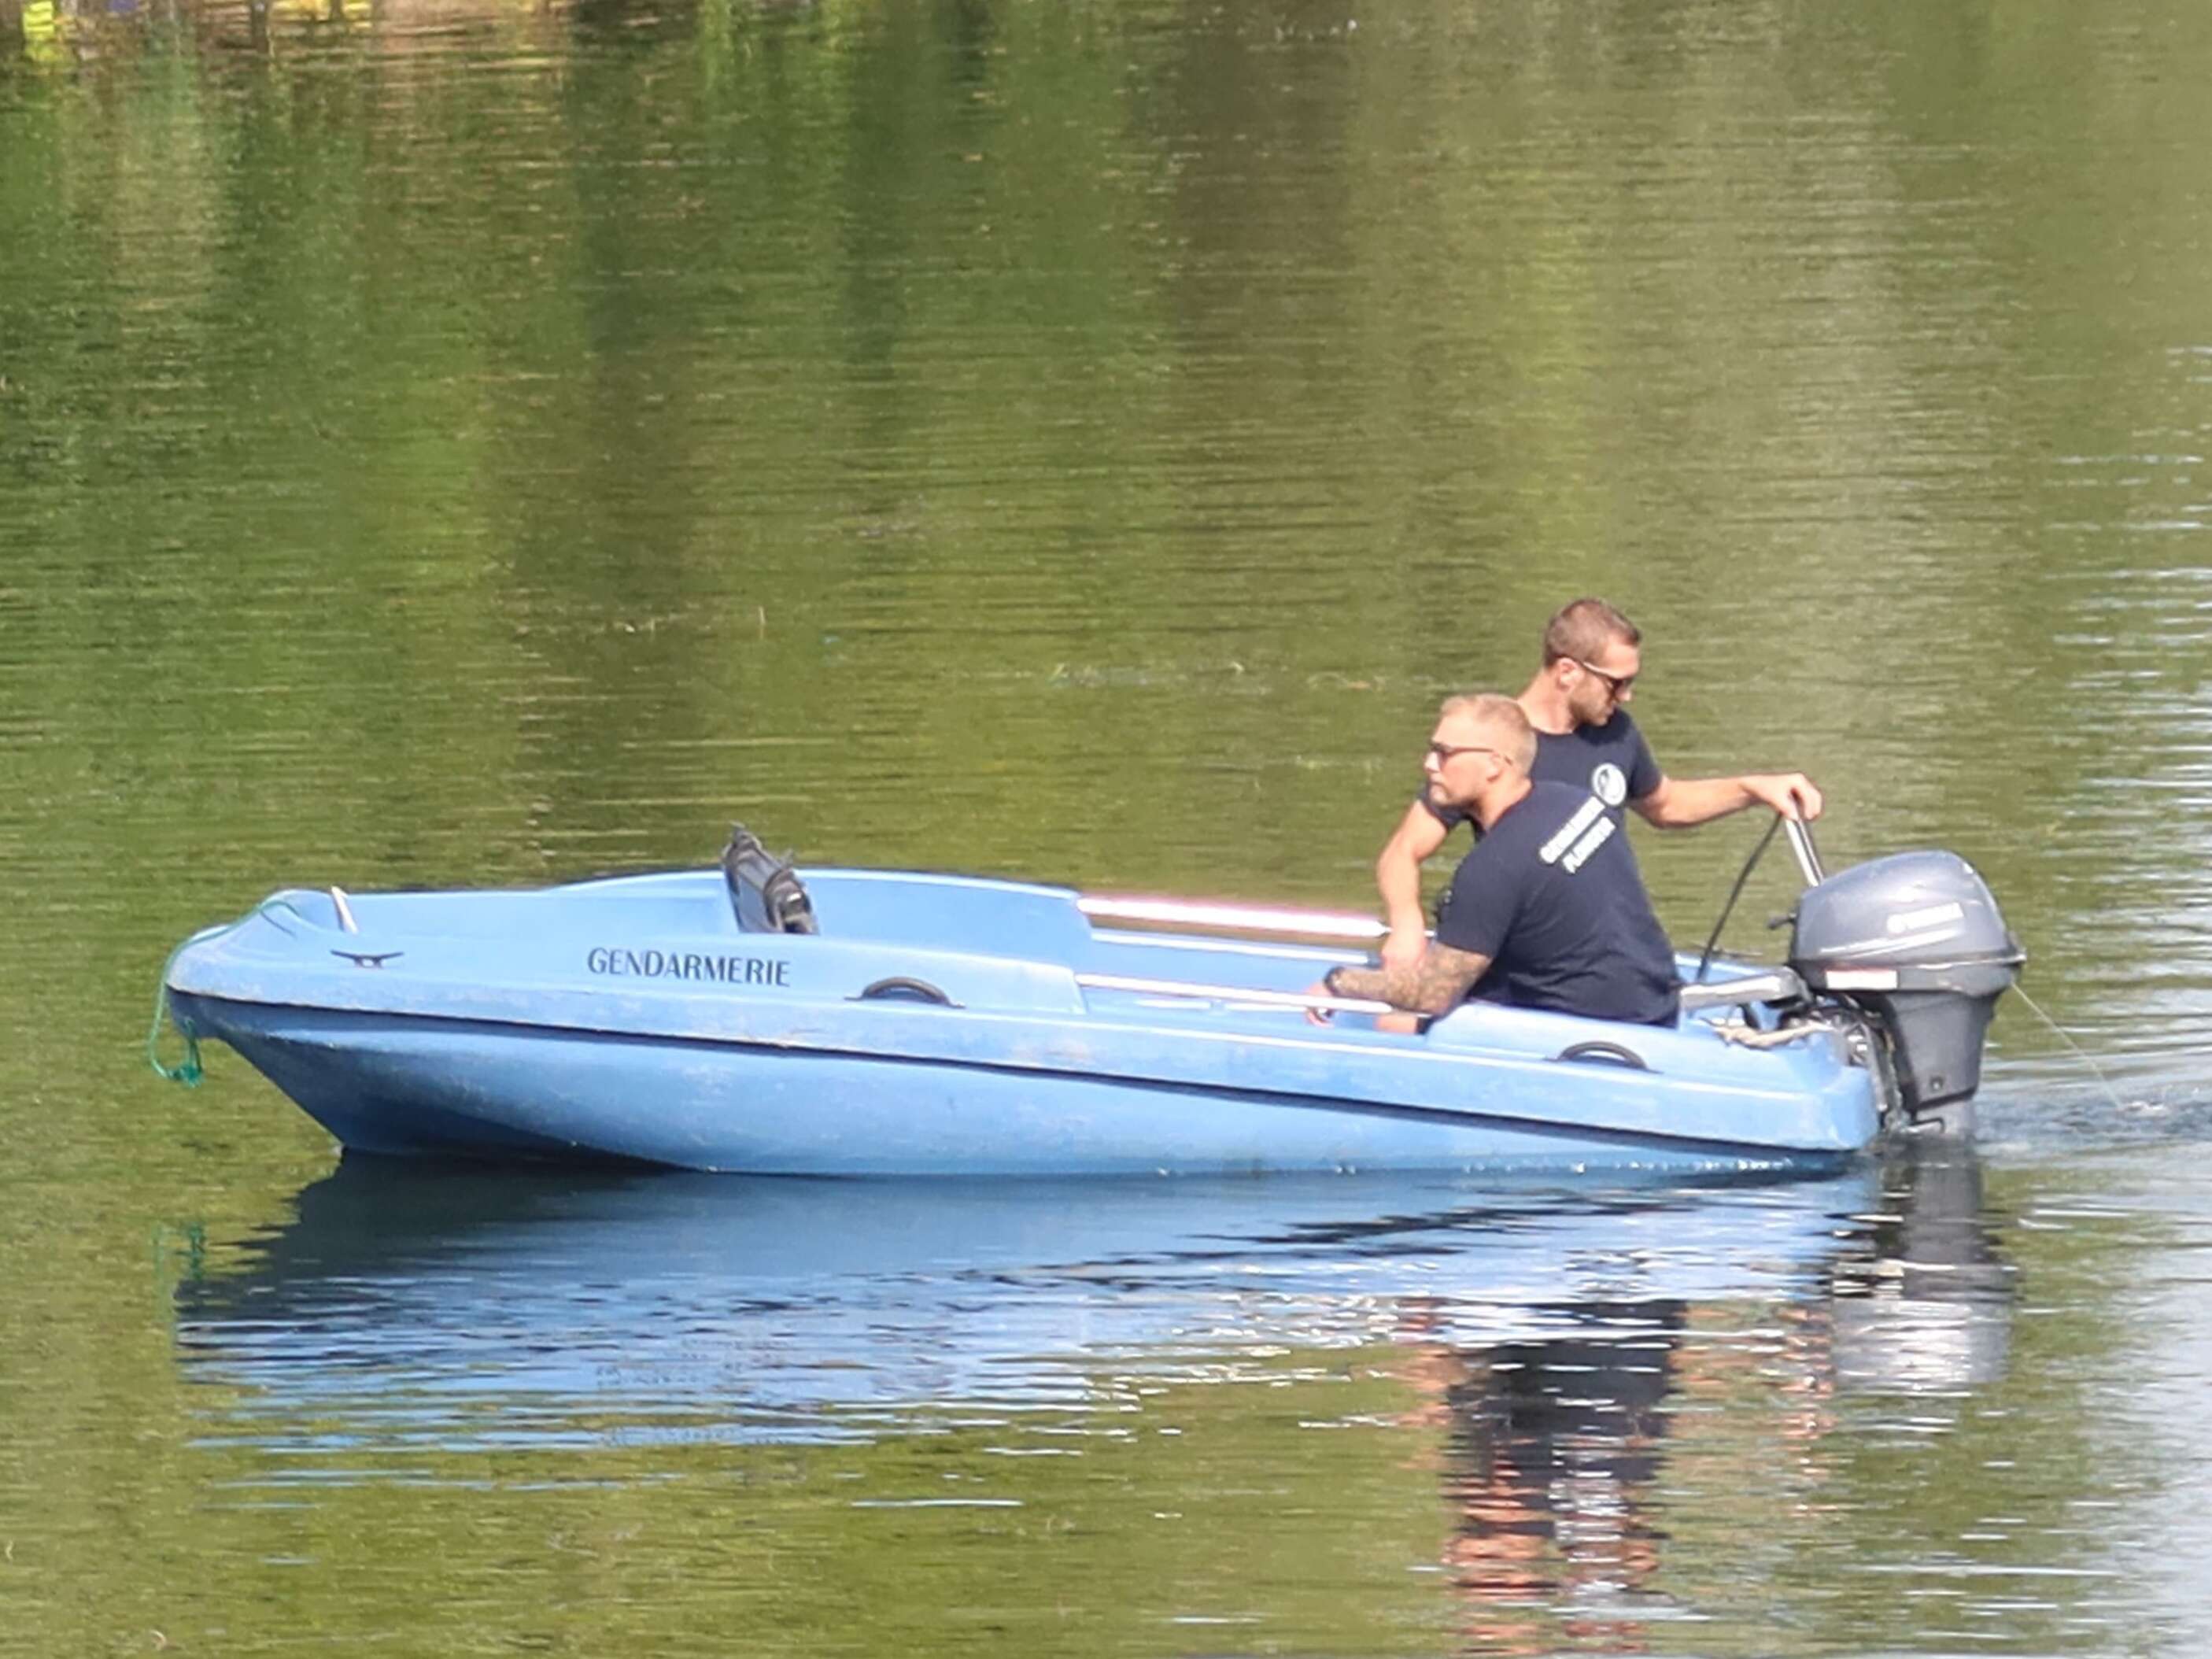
[1915, 940]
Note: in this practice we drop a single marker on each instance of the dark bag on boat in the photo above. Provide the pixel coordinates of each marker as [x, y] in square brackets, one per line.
[764, 890]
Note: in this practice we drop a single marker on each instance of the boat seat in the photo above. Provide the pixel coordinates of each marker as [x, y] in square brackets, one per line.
[765, 891]
[1770, 985]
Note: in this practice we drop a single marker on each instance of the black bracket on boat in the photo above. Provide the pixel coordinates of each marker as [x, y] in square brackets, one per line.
[765, 891]
[1612, 1054]
[899, 988]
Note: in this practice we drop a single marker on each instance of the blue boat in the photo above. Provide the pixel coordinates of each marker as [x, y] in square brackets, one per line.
[856, 1022]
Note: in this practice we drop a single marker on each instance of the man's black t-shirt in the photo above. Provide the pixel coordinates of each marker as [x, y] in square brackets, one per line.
[1612, 762]
[1551, 895]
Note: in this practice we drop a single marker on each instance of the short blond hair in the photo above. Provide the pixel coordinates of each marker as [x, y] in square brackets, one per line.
[1500, 718]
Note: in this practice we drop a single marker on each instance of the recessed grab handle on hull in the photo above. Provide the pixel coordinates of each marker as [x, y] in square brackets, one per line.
[899, 988]
[1612, 1054]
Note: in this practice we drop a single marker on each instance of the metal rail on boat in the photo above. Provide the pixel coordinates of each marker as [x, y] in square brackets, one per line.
[1242, 995]
[1238, 918]
[1241, 918]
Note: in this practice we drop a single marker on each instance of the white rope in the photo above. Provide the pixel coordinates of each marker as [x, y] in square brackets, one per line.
[1744, 1037]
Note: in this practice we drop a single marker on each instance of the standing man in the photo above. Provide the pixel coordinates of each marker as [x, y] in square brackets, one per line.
[1547, 911]
[1579, 705]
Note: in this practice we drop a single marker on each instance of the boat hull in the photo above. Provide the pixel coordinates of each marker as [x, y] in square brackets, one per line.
[413, 1087]
[610, 1021]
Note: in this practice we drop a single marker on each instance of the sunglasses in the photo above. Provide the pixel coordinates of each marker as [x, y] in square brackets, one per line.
[1615, 684]
[1446, 753]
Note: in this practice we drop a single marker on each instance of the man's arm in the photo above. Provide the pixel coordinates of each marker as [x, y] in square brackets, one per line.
[1677, 803]
[1436, 983]
[1398, 879]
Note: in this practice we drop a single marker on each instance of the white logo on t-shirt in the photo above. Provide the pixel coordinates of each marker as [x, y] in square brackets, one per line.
[1609, 784]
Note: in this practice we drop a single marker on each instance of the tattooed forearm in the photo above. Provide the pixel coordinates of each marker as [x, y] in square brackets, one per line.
[1433, 984]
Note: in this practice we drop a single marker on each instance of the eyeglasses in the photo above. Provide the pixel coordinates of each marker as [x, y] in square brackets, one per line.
[1615, 684]
[1446, 753]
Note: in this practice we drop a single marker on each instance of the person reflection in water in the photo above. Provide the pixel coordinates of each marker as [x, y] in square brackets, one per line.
[1552, 1448]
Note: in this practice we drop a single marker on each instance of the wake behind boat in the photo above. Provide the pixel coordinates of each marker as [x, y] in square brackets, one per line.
[858, 1021]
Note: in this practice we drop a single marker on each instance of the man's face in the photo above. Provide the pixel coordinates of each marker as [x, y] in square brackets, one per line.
[1462, 760]
[1600, 684]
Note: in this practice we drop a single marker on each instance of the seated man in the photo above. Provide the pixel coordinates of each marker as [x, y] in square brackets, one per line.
[1548, 911]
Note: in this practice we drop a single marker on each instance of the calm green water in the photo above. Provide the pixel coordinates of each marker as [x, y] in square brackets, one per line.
[453, 443]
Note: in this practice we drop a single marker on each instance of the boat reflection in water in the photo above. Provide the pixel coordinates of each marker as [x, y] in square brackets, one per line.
[1928, 1308]
[1565, 1385]
[457, 1310]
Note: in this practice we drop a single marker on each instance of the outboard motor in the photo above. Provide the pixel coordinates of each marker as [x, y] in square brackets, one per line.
[1915, 941]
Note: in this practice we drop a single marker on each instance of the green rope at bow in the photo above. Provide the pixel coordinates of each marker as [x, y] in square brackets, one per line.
[190, 1071]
